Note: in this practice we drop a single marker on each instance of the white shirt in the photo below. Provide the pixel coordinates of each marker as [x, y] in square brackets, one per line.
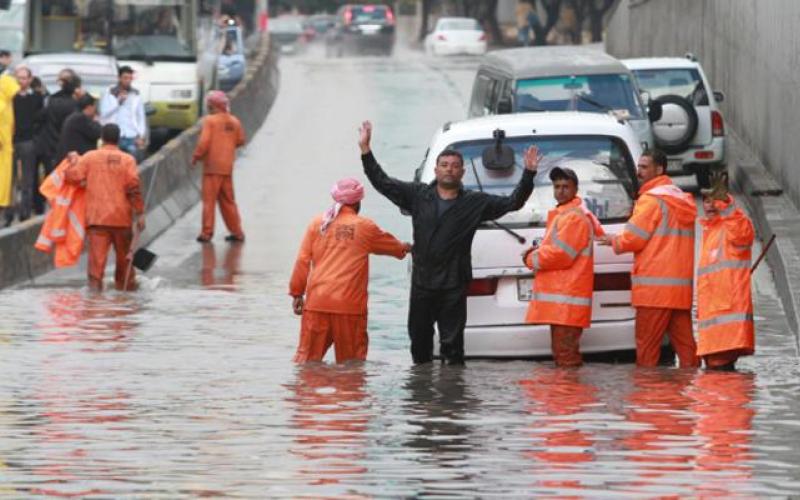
[129, 117]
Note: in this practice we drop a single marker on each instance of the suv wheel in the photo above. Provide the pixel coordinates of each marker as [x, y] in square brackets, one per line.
[677, 126]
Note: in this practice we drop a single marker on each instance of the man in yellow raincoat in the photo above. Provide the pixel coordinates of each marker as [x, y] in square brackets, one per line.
[8, 89]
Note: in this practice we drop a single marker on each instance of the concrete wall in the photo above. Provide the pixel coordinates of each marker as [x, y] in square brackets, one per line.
[749, 49]
[175, 188]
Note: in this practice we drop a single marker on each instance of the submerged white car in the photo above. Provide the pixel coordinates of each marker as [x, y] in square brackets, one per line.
[602, 150]
[454, 36]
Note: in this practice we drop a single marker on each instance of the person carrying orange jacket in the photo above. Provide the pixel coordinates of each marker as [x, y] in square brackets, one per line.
[660, 233]
[221, 135]
[564, 270]
[329, 281]
[724, 300]
[113, 198]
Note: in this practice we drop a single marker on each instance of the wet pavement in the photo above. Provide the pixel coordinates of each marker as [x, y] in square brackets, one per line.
[186, 388]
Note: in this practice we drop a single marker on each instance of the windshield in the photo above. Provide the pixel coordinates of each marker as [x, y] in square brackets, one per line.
[594, 93]
[684, 82]
[286, 26]
[368, 13]
[607, 180]
[153, 29]
[11, 28]
[459, 25]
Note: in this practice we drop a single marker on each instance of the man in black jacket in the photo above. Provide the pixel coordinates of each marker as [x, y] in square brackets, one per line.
[81, 130]
[445, 217]
[28, 109]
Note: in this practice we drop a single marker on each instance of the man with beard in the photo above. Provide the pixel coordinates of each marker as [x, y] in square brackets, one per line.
[445, 217]
[123, 105]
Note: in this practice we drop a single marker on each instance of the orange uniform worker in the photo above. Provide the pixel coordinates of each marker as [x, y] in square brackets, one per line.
[660, 233]
[113, 198]
[564, 268]
[222, 133]
[335, 252]
[724, 300]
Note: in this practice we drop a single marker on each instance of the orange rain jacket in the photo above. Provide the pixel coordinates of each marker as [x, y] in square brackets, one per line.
[112, 186]
[564, 267]
[724, 300]
[222, 133]
[660, 233]
[64, 226]
[340, 259]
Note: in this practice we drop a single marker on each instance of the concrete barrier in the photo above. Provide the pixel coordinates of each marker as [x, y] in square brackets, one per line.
[175, 187]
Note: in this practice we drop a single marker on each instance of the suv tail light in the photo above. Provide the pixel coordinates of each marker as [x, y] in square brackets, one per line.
[612, 281]
[717, 125]
[483, 36]
[482, 287]
[389, 16]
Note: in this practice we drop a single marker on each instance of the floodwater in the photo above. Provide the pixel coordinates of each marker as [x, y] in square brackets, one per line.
[186, 388]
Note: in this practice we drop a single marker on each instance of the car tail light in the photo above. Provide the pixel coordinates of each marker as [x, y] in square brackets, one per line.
[704, 155]
[612, 281]
[482, 287]
[441, 37]
[348, 16]
[389, 16]
[717, 125]
[483, 36]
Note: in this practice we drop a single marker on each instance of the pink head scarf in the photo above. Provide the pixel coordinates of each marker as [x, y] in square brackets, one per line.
[347, 191]
[217, 99]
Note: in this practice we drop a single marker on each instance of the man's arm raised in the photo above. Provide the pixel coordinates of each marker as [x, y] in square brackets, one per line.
[400, 193]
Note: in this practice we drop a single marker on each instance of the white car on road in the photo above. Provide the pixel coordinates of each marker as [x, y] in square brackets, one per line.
[691, 130]
[602, 150]
[454, 36]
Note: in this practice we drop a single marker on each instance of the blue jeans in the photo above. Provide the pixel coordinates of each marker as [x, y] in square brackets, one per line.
[128, 144]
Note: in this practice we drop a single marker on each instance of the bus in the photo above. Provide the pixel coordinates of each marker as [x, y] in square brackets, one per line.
[157, 38]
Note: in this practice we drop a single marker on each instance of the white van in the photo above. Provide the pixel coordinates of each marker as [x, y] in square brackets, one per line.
[602, 150]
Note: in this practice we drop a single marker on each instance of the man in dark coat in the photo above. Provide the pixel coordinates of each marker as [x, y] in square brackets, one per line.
[81, 130]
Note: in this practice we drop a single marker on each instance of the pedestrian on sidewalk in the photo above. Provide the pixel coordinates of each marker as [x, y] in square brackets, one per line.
[28, 114]
[8, 89]
[81, 129]
[113, 203]
[445, 217]
[724, 300]
[123, 105]
[660, 233]
[329, 281]
[564, 270]
[221, 135]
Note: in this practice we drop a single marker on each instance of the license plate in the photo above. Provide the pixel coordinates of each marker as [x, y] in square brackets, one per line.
[524, 289]
[674, 165]
[370, 29]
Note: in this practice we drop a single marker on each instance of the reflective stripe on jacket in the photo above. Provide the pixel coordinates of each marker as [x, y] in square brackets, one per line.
[64, 227]
[724, 300]
[564, 267]
[660, 233]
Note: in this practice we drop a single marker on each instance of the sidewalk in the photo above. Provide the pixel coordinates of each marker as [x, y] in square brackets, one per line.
[773, 213]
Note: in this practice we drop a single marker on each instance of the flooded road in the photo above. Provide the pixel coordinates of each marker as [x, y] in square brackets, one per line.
[186, 388]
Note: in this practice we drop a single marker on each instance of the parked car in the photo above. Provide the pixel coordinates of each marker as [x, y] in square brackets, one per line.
[231, 62]
[288, 34]
[456, 35]
[537, 79]
[602, 151]
[98, 72]
[691, 130]
[361, 29]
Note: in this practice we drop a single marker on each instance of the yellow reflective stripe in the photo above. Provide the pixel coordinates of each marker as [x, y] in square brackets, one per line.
[76, 224]
[562, 299]
[62, 201]
[663, 229]
[641, 233]
[655, 281]
[43, 240]
[724, 264]
[725, 319]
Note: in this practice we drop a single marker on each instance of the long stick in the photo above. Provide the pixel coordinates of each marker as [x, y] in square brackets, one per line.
[135, 240]
[763, 254]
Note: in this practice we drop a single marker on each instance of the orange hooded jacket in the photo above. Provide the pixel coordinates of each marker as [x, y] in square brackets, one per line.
[221, 134]
[64, 227]
[660, 233]
[724, 300]
[338, 262]
[564, 267]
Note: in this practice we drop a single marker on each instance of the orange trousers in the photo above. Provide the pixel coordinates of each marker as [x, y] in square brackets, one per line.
[652, 323]
[318, 330]
[99, 241]
[566, 343]
[219, 188]
[724, 359]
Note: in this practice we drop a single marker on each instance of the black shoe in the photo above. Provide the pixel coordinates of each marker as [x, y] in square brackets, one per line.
[233, 238]
[203, 239]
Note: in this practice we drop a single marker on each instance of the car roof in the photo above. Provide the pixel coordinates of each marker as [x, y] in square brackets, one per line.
[531, 62]
[659, 63]
[545, 123]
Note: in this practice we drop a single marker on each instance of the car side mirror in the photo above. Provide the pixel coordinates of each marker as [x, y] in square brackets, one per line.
[654, 111]
[498, 156]
[504, 106]
[645, 95]
[719, 96]
[149, 110]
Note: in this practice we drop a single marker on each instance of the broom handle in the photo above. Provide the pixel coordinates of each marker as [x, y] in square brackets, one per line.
[763, 254]
[136, 233]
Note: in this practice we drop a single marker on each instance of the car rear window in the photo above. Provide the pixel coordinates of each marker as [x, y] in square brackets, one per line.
[593, 93]
[368, 13]
[685, 82]
[459, 25]
[605, 168]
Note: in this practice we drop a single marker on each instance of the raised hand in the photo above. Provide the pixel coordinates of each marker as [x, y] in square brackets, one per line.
[365, 136]
[532, 158]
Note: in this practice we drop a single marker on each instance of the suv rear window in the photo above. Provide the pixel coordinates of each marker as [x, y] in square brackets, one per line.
[606, 173]
[593, 93]
[684, 82]
[367, 14]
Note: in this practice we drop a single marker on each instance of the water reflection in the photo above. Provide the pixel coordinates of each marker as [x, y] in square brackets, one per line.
[224, 277]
